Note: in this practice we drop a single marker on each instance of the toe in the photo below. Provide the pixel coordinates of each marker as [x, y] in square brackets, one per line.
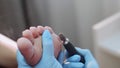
[26, 48]
[28, 34]
[34, 32]
[40, 29]
[50, 29]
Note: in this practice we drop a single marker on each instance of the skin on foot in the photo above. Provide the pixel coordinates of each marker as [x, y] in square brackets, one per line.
[30, 45]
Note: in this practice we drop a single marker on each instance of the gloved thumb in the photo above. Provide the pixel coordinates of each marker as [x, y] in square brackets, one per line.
[21, 61]
[47, 43]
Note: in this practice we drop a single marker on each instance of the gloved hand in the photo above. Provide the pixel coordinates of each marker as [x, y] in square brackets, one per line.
[48, 59]
[90, 60]
[73, 61]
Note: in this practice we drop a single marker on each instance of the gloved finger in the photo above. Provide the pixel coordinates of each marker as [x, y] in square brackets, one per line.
[21, 61]
[48, 47]
[62, 56]
[73, 65]
[90, 60]
[74, 58]
[66, 53]
[86, 53]
[91, 64]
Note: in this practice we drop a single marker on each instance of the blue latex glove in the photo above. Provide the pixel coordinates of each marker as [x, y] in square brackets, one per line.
[73, 61]
[90, 60]
[48, 59]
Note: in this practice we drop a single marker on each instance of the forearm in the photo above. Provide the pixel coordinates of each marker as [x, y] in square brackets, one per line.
[8, 49]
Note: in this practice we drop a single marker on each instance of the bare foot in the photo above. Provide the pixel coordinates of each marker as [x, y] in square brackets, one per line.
[30, 44]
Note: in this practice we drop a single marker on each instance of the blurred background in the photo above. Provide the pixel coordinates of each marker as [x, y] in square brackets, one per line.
[74, 18]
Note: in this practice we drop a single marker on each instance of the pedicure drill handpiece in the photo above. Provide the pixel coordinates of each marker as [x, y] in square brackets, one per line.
[70, 48]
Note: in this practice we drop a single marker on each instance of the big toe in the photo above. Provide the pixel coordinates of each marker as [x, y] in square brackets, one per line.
[27, 50]
[25, 47]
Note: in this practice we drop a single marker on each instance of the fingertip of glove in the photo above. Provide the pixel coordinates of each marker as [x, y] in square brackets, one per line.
[74, 58]
[46, 35]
